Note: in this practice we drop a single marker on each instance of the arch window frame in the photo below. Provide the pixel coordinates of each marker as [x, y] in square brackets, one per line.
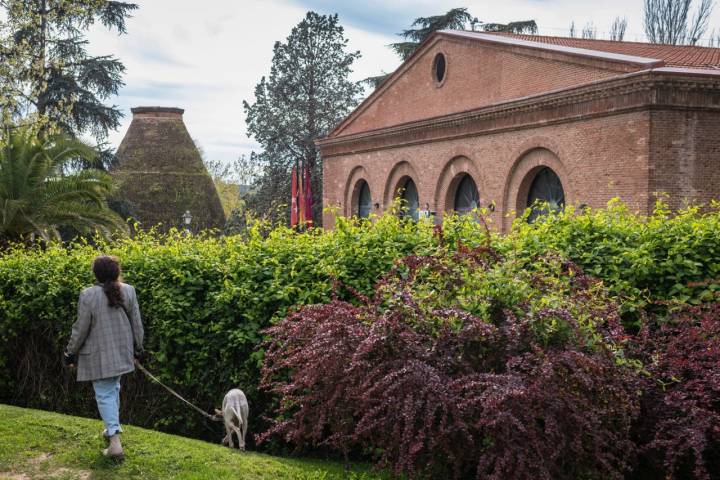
[467, 188]
[363, 209]
[545, 186]
[410, 209]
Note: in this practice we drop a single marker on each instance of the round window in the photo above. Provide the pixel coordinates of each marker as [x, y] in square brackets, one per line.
[439, 67]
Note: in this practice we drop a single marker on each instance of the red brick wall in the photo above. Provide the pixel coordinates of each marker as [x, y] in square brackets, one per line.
[686, 155]
[477, 74]
[596, 159]
[604, 132]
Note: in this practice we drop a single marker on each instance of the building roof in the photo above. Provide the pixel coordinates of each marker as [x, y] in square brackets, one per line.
[683, 56]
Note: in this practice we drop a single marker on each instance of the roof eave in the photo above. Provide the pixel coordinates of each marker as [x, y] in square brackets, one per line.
[643, 62]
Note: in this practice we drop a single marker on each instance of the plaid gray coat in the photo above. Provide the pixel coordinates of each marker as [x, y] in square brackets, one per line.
[102, 337]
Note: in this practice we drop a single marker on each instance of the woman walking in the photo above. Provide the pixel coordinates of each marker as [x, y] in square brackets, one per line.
[105, 340]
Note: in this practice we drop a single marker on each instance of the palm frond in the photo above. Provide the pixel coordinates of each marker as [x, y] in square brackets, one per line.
[40, 192]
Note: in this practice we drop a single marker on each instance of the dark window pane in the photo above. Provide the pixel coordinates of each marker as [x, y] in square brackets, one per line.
[364, 201]
[547, 188]
[411, 202]
[466, 196]
[439, 67]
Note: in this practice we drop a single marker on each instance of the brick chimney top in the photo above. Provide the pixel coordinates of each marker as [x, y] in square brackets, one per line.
[157, 112]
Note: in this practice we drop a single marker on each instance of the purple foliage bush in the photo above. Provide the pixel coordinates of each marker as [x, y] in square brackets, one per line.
[679, 431]
[448, 372]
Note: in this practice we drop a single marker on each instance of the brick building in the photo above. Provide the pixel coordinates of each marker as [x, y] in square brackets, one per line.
[478, 119]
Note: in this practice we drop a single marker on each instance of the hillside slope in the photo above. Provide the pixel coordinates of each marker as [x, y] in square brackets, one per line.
[42, 445]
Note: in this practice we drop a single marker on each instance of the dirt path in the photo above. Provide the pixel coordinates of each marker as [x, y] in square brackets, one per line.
[34, 470]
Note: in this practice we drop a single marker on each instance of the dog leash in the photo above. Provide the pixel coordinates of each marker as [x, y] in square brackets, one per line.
[157, 380]
[214, 418]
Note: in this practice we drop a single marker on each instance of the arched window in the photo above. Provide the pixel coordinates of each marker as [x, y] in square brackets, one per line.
[547, 188]
[467, 197]
[411, 201]
[364, 206]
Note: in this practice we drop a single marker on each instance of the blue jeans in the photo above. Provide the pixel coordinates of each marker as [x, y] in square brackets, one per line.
[107, 395]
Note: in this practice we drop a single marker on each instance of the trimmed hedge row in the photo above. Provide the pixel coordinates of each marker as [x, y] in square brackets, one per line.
[205, 300]
[664, 257]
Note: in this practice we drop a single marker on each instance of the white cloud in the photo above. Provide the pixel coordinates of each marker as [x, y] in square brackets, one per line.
[207, 58]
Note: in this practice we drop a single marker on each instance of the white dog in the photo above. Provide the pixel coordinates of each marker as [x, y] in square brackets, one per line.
[235, 415]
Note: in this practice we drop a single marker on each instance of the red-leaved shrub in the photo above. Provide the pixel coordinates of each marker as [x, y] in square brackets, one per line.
[430, 380]
[679, 431]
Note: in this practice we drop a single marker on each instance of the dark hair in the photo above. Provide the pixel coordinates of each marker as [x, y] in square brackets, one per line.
[107, 272]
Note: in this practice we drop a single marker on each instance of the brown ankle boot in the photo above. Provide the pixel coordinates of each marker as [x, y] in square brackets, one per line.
[114, 451]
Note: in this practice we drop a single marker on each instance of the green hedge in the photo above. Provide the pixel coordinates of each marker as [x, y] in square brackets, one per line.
[205, 300]
[664, 257]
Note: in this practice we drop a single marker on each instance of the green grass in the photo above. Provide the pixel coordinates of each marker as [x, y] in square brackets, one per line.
[35, 444]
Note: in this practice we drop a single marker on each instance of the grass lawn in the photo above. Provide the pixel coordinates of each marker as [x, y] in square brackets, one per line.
[36, 444]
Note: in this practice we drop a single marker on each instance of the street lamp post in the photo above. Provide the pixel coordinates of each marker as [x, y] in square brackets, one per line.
[187, 219]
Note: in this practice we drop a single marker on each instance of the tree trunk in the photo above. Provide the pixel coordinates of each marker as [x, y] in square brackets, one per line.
[42, 60]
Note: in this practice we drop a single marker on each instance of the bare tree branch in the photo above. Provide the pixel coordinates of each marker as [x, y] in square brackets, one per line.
[668, 21]
[589, 31]
[699, 23]
[618, 28]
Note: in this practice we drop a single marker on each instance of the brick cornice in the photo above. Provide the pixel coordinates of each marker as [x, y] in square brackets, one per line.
[646, 90]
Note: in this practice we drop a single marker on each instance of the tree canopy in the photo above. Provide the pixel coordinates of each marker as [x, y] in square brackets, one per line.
[522, 26]
[307, 93]
[48, 71]
[453, 19]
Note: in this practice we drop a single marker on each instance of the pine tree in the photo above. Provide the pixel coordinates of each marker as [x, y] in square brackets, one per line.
[306, 95]
[49, 71]
[521, 26]
[454, 19]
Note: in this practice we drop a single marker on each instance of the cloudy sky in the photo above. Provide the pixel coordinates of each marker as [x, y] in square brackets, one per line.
[206, 57]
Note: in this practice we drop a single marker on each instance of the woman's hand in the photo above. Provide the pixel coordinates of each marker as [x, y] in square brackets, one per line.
[69, 359]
